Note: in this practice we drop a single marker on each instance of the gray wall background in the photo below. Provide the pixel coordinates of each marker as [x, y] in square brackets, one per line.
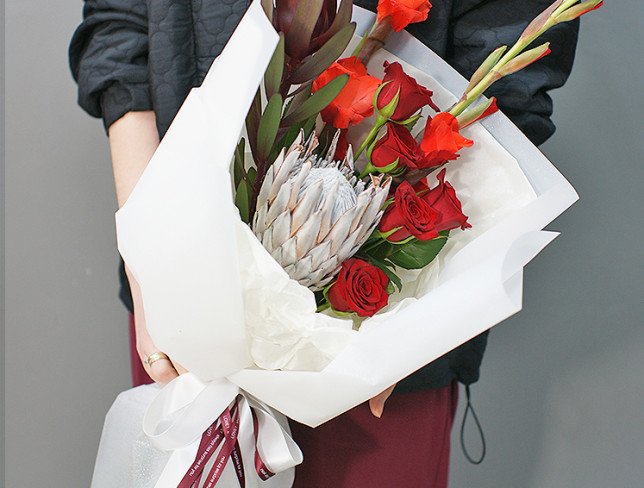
[562, 392]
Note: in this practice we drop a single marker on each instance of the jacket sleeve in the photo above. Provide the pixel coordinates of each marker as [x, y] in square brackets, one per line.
[108, 57]
[478, 27]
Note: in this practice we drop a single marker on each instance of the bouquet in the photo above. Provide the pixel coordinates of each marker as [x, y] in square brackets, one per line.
[374, 225]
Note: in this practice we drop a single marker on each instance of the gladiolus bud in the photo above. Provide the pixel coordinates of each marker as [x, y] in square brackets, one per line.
[540, 23]
[477, 113]
[525, 59]
[579, 10]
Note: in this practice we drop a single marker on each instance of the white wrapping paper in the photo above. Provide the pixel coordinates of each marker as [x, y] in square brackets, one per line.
[216, 302]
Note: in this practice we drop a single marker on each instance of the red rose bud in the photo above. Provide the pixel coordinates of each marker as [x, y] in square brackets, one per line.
[411, 215]
[354, 102]
[443, 200]
[360, 287]
[397, 144]
[412, 96]
[441, 140]
[401, 13]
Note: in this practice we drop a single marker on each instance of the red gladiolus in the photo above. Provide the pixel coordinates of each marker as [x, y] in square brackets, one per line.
[412, 214]
[441, 140]
[412, 96]
[401, 13]
[343, 146]
[397, 143]
[361, 287]
[444, 201]
[354, 102]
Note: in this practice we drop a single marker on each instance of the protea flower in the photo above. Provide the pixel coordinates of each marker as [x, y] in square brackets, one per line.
[313, 213]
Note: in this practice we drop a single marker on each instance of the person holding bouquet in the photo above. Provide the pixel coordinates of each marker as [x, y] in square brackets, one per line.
[136, 60]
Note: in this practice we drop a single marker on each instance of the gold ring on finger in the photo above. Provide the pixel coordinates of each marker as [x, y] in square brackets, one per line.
[154, 357]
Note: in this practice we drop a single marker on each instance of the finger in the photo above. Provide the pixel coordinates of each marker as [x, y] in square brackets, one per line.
[162, 371]
[180, 369]
[377, 403]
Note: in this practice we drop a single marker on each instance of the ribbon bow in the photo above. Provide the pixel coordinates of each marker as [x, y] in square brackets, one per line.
[207, 424]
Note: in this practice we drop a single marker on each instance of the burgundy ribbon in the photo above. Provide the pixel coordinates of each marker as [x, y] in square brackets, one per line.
[223, 432]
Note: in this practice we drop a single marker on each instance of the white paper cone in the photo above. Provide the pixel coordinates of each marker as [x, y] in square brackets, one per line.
[181, 235]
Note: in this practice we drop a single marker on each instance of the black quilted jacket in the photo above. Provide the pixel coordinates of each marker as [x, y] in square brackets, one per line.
[130, 55]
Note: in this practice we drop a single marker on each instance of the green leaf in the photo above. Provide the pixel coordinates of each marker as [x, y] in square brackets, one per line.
[309, 126]
[326, 55]
[242, 200]
[300, 96]
[318, 101]
[377, 249]
[252, 121]
[239, 170]
[289, 137]
[299, 34]
[268, 125]
[385, 266]
[342, 18]
[418, 254]
[251, 176]
[275, 70]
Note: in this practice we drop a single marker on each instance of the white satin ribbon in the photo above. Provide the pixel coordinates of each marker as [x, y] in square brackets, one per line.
[186, 407]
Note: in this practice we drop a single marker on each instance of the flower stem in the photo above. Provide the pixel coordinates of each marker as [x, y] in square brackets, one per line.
[368, 169]
[374, 41]
[493, 75]
[358, 49]
[373, 133]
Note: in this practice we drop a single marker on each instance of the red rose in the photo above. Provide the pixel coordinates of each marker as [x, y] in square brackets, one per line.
[441, 140]
[354, 102]
[443, 200]
[397, 143]
[410, 212]
[412, 96]
[401, 13]
[361, 287]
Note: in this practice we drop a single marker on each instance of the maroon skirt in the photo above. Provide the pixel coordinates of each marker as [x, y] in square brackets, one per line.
[408, 447]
